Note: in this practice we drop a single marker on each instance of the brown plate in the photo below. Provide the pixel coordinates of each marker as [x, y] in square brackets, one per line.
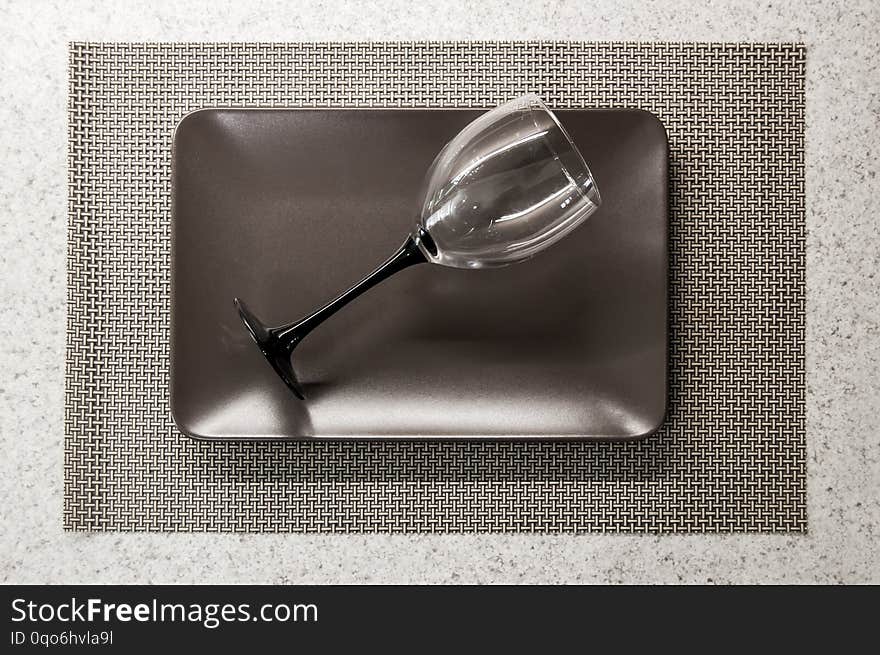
[288, 207]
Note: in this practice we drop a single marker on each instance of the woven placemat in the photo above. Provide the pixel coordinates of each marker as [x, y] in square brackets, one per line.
[731, 456]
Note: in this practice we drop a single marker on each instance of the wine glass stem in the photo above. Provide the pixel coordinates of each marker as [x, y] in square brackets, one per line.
[407, 255]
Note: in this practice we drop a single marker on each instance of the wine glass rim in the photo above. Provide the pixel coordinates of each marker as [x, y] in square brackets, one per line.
[534, 98]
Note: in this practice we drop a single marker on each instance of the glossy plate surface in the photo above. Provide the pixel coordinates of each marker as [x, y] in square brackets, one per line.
[288, 207]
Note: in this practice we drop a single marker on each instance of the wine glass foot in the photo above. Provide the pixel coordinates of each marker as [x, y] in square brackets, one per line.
[275, 352]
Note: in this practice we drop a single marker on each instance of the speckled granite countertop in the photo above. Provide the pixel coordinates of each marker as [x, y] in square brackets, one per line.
[843, 301]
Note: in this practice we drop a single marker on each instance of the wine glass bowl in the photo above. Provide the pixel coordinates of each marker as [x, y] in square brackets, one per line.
[509, 185]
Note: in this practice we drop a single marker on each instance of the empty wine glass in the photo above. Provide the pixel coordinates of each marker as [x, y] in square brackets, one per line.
[509, 185]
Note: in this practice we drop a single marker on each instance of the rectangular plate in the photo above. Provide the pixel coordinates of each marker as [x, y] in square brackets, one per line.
[286, 208]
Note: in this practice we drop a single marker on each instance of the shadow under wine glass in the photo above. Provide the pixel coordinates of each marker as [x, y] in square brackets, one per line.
[509, 185]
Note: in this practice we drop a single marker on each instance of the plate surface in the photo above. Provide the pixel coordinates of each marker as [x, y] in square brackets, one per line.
[286, 208]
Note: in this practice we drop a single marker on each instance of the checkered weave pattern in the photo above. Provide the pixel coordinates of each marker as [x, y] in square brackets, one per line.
[731, 457]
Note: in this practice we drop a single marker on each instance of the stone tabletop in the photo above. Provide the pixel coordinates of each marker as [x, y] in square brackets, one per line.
[843, 301]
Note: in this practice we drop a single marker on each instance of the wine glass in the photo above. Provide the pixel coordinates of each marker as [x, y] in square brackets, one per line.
[506, 187]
